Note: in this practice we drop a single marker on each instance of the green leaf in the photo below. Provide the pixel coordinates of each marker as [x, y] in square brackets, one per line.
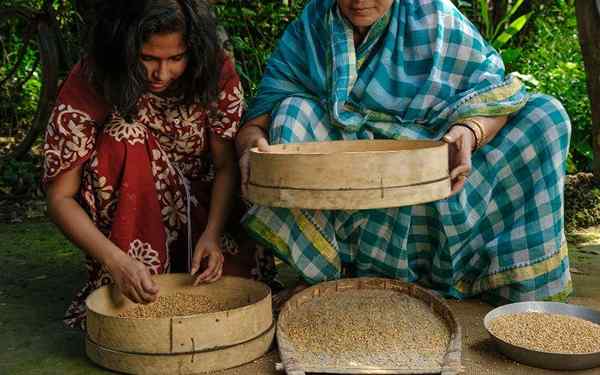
[485, 17]
[511, 31]
[248, 12]
[513, 9]
[511, 55]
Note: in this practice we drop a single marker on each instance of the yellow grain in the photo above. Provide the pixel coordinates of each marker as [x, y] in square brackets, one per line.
[178, 304]
[368, 327]
[552, 333]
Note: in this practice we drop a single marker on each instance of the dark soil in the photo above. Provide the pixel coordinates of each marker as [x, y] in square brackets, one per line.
[582, 201]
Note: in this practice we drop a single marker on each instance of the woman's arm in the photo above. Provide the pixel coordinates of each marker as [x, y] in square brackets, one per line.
[463, 139]
[131, 276]
[253, 134]
[223, 155]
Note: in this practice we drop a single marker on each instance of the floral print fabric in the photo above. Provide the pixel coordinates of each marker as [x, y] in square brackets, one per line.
[135, 174]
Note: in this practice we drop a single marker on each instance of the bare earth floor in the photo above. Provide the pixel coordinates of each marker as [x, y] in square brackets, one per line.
[40, 271]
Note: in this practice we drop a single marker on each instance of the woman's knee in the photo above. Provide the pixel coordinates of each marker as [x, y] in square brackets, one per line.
[548, 118]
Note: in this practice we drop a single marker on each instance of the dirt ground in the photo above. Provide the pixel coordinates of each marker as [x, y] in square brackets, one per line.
[40, 271]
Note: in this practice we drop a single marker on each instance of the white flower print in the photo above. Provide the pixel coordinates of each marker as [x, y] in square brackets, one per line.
[120, 130]
[236, 101]
[66, 139]
[143, 252]
[174, 211]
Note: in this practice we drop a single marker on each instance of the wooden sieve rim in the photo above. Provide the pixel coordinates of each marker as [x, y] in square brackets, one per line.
[405, 145]
[265, 294]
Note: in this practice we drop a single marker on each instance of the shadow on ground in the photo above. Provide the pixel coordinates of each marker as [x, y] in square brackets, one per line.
[40, 272]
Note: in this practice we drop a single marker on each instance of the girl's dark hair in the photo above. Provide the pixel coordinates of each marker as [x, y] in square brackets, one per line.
[122, 27]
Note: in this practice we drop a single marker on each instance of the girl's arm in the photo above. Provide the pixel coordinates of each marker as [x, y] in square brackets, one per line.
[223, 155]
[131, 276]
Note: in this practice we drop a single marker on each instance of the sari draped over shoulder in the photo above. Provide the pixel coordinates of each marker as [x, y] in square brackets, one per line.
[422, 67]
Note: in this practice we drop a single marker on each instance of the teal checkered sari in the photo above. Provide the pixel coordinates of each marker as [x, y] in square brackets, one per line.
[422, 67]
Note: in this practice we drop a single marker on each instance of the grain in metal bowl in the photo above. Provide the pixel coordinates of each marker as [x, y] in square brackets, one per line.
[549, 335]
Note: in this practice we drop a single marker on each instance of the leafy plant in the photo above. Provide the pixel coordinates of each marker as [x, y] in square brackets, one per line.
[254, 28]
[498, 30]
[20, 178]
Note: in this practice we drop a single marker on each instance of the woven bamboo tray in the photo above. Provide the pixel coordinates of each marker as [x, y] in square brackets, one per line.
[236, 334]
[349, 174]
[291, 360]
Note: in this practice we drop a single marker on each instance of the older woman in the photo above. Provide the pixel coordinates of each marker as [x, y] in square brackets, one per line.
[351, 69]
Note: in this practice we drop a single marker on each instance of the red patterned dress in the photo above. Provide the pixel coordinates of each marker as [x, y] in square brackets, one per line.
[139, 177]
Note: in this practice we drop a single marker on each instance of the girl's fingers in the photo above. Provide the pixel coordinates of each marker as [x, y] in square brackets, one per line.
[144, 295]
[214, 263]
[148, 284]
[146, 290]
[216, 276]
[199, 254]
[132, 294]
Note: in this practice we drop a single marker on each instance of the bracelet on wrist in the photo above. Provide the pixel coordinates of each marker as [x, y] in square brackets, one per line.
[475, 136]
[475, 124]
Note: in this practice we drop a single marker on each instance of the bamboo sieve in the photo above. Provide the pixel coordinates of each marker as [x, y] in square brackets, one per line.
[358, 174]
[211, 341]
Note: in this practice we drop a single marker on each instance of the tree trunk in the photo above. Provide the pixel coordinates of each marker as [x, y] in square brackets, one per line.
[588, 25]
[50, 60]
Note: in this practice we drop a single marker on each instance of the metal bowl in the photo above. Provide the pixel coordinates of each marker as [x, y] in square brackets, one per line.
[553, 361]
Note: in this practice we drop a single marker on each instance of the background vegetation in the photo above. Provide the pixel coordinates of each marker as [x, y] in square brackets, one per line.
[537, 38]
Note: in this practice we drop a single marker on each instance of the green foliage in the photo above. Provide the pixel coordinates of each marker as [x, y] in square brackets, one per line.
[19, 94]
[551, 55]
[20, 178]
[499, 32]
[254, 28]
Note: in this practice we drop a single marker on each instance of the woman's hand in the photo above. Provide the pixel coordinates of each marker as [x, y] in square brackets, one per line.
[460, 145]
[133, 279]
[207, 247]
[263, 146]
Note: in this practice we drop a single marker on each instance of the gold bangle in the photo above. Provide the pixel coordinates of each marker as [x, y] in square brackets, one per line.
[475, 136]
[479, 126]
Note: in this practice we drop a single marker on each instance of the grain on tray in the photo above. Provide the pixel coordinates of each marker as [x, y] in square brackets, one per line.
[368, 327]
[545, 332]
[178, 304]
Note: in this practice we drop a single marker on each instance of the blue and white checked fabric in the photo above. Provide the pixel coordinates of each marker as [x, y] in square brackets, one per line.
[501, 236]
[426, 67]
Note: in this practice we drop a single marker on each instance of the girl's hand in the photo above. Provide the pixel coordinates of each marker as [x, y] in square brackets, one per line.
[263, 146]
[133, 279]
[207, 247]
[460, 145]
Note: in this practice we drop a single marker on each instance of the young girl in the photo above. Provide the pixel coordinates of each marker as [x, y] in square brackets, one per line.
[139, 161]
